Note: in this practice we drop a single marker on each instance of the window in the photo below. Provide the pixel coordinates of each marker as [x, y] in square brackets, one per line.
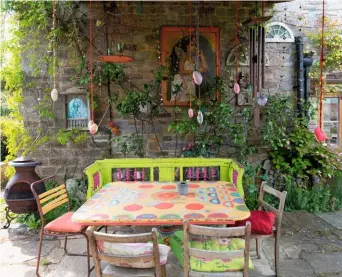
[77, 112]
[278, 32]
[332, 120]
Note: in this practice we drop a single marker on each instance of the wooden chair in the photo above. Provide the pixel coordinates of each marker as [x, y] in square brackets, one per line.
[63, 225]
[243, 231]
[277, 224]
[112, 261]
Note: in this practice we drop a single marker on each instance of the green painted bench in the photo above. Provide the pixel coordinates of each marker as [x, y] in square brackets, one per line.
[105, 171]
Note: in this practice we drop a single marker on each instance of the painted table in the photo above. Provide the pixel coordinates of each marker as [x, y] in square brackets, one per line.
[155, 203]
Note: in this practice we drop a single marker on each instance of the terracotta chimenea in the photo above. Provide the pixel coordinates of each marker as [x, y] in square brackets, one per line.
[18, 195]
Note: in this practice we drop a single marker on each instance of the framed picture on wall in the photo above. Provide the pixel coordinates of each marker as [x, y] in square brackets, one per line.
[178, 54]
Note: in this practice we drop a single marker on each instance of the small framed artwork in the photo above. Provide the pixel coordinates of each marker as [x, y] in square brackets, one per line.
[77, 111]
[182, 55]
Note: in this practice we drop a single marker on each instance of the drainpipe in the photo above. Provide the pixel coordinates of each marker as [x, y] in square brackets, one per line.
[300, 74]
[308, 60]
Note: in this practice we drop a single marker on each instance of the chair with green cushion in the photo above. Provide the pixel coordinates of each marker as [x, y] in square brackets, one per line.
[223, 257]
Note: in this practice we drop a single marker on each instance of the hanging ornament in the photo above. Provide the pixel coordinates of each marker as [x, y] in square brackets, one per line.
[262, 100]
[90, 123]
[54, 92]
[191, 113]
[200, 117]
[236, 88]
[320, 134]
[93, 128]
[197, 76]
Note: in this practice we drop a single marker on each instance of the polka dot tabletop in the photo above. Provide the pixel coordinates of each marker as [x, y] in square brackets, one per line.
[156, 203]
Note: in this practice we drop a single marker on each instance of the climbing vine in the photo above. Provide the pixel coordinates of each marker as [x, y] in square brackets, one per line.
[28, 23]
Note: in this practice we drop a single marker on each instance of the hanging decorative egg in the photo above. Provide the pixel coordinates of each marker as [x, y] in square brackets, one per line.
[236, 88]
[197, 76]
[54, 94]
[262, 100]
[320, 134]
[191, 113]
[90, 123]
[200, 117]
[92, 127]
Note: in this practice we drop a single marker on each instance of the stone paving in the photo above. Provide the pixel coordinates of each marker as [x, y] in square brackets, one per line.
[311, 245]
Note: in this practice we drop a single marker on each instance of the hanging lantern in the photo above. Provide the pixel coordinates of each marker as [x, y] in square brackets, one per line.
[197, 76]
[262, 100]
[200, 117]
[320, 134]
[191, 113]
[54, 94]
[236, 88]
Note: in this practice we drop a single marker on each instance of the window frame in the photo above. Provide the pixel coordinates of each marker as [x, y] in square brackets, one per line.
[287, 28]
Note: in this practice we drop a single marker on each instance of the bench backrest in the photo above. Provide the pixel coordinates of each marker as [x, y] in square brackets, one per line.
[105, 171]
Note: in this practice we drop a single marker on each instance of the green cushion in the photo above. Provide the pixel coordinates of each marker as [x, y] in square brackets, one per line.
[206, 265]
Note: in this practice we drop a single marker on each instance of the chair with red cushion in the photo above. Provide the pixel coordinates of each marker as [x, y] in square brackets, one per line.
[267, 223]
[61, 226]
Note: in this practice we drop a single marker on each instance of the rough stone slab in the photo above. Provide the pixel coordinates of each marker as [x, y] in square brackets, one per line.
[17, 271]
[16, 252]
[70, 266]
[267, 246]
[77, 246]
[325, 263]
[305, 220]
[334, 219]
[293, 252]
[309, 247]
[55, 256]
[261, 268]
[295, 268]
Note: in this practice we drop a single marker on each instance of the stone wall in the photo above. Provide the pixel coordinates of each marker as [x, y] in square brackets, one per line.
[303, 18]
[70, 160]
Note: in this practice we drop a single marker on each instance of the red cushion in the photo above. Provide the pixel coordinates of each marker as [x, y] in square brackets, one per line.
[64, 224]
[261, 222]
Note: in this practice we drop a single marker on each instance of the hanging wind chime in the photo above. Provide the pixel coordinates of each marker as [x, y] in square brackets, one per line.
[262, 99]
[319, 132]
[236, 85]
[54, 92]
[92, 126]
[120, 58]
[197, 76]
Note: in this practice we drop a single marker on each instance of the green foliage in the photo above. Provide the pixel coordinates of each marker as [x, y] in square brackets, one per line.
[75, 135]
[31, 220]
[313, 200]
[336, 191]
[220, 126]
[133, 102]
[112, 72]
[332, 46]
[130, 145]
[19, 140]
[293, 148]
[250, 188]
